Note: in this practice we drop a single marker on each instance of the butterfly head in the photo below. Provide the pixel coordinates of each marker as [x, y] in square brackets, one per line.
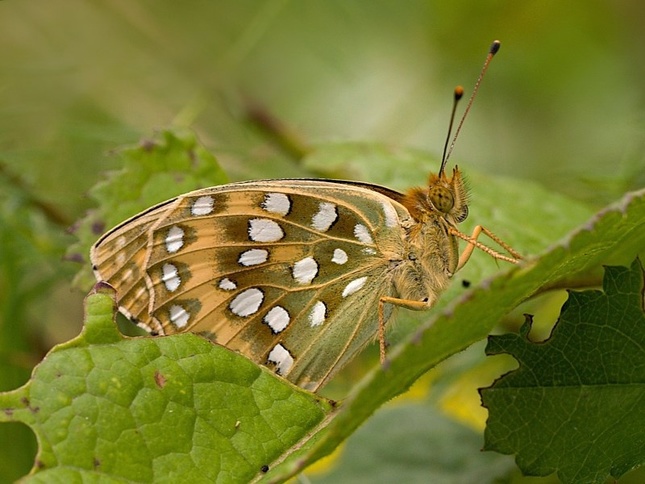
[444, 196]
[449, 196]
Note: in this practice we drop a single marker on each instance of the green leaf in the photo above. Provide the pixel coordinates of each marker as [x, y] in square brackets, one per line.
[576, 403]
[471, 317]
[149, 409]
[171, 163]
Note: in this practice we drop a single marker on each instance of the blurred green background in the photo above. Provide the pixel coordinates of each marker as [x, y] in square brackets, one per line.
[562, 105]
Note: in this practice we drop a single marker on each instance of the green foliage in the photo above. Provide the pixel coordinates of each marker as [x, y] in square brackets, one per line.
[31, 246]
[575, 405]
[101, 390]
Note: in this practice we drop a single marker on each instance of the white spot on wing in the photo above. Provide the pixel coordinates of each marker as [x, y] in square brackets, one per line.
[247, 302]
[179, 316]
[305, 270]
[325, 217]
[253, 257]
[227, 284]
[277, 203]
[340, 256]
[170, 277]
[318, 314]
[354, 286]
[277, 318]
[362, 234]
[391, 217]
[282, 359]
[264, 230]
[202, 206]
[174, 239]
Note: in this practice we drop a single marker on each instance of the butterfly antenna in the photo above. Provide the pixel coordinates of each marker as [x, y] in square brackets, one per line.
[493, 50]
[459, 92]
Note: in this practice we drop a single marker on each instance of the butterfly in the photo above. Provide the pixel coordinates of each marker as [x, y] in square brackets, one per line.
[296, 274]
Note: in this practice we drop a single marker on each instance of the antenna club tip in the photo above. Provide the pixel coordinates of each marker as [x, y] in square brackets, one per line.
[495, 47]
[459, 92]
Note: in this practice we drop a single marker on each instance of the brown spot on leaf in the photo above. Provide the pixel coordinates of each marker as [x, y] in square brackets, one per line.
[160, 380]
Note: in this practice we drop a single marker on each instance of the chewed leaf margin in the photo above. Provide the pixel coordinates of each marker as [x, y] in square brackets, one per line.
[585, 385]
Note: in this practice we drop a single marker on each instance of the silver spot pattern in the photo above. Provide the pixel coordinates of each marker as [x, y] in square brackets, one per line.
[202, 206]
[362, 234]
[277, 318]
[277, 203]
[264, 230]
[282, 359]
[227, 284]
[340, 257]
[179, 316]
[354, 286]
[305, 270]
[170, 277]
[318, 314]
[253, 257]
[247, 302]
[325, 217]
[174, 239]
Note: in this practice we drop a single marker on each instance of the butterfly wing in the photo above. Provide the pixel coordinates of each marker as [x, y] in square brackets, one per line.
[288, 272]
[120, 257]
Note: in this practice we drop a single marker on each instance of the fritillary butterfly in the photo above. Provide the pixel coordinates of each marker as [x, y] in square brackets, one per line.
[296, 274]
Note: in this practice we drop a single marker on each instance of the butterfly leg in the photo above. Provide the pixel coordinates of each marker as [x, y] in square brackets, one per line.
[473, 242]
[404, 303]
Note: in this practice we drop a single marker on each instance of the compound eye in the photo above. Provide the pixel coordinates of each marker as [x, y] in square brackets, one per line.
[441, 199]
